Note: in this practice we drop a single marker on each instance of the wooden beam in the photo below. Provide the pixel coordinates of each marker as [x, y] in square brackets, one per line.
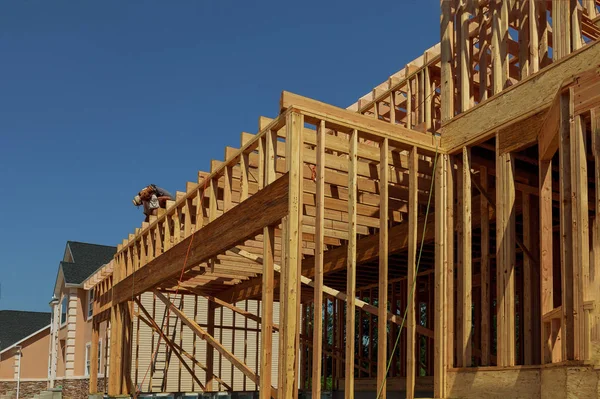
[213, 239]
[315, 111]
[319, 250]
[201, 333]
[383, 271]
[359, 303]
[351, 266]
[518, 102]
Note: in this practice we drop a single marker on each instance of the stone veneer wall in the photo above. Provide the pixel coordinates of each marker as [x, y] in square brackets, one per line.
[78, 388]
[27, 389]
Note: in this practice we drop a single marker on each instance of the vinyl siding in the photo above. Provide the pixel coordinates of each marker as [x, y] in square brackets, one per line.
[230, 331]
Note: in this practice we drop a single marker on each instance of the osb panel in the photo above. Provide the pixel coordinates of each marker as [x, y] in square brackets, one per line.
[554, 383]
[522, 134]
[582, 383]
[500, 384]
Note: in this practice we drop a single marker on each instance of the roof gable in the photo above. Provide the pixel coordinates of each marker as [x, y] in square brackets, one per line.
[17, 325]
[84, 260]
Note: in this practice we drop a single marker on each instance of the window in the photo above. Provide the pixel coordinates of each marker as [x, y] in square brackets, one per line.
[88, 348]
[64, 308]
[99, 356]
[88, 358]
[90, 304]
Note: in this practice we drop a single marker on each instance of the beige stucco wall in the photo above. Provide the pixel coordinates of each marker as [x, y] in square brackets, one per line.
[7, 364]
[34, 358]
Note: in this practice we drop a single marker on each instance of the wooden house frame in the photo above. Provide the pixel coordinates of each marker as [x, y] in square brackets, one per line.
[461, 193]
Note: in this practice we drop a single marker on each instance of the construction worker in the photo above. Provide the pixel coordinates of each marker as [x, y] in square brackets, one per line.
[152, 198]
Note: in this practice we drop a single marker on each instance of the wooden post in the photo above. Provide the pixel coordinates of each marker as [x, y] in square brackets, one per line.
[317, 348]
[93, 386]
[441, 275]
[412, 292]
[505, 257]
[115, 379]
[499, 45]
[464, 49]
[485, 270]
[524, 30]
[382, 359]
[546, 262]
[293, 243]
[534, 56]
[594, 289]
[351, 266]
[566, 234]
[526, 294]
[210, 353]
[266, 332]
[580, 231]
[447, 34]
[465, 278]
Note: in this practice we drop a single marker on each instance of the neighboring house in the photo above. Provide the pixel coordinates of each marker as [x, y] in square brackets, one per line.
[69, 355]
[23, 337]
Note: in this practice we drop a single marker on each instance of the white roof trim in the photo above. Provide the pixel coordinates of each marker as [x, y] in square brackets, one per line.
[24, 339]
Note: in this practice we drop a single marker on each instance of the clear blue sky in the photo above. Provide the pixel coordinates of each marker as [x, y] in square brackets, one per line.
[100, 98]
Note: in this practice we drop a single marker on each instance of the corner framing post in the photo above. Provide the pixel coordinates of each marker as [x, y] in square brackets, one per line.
[266, 329]
[441, 276]
[290, 326]
[119, 381]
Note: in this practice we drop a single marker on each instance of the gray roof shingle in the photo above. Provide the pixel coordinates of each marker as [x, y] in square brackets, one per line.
[87, 258]
[16, 325]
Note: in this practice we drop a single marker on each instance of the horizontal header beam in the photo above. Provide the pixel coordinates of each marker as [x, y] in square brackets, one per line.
[242, 222]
